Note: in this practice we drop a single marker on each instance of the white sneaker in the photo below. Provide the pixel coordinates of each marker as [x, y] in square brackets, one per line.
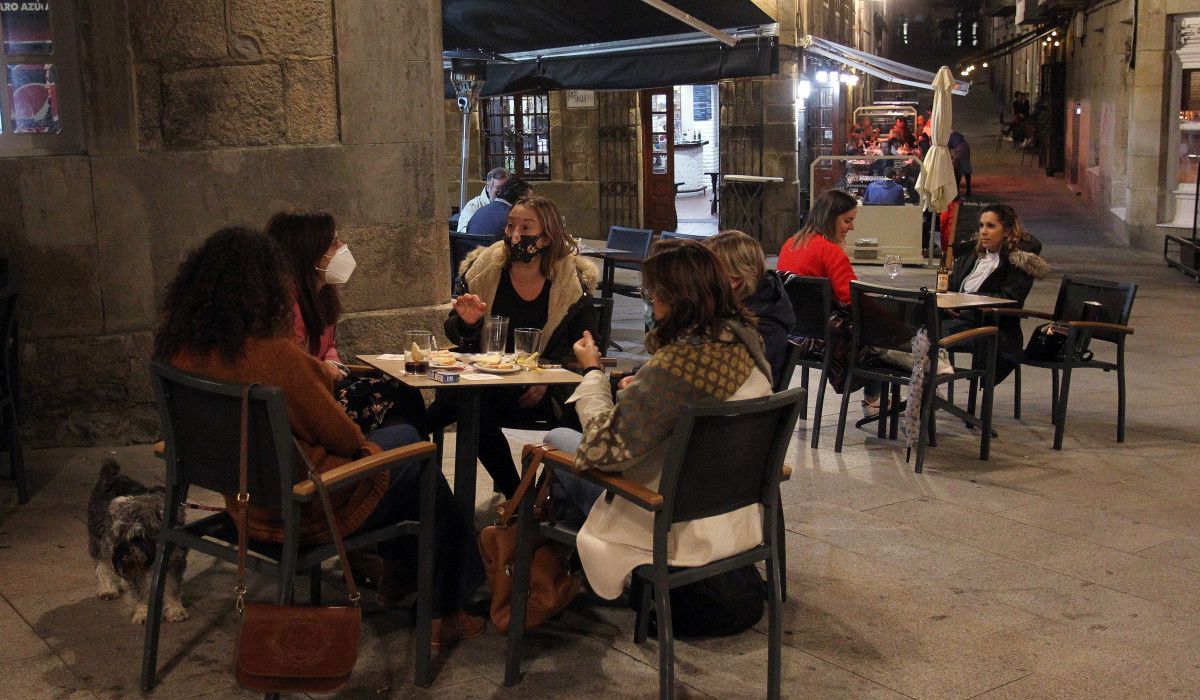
[870, 409]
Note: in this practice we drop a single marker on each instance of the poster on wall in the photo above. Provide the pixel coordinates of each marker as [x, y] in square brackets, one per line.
[32, 94]
[581, 99]
[26, 27]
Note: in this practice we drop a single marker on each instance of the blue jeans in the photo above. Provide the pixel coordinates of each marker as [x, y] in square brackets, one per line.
[572, 496]
[457, 568]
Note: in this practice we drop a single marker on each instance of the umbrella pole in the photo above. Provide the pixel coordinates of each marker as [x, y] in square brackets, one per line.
[929, 246]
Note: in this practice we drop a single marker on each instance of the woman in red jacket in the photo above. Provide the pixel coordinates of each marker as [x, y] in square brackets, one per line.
[816, 251]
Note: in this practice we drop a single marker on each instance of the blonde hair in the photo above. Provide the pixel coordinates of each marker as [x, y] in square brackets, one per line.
[743, 260]
[561, 244]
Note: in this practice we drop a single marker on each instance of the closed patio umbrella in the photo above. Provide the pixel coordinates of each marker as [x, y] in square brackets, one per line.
[936, 183]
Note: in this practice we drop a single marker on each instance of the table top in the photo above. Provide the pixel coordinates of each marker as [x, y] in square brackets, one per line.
[962, 300]
[395, 368]
[610, 254]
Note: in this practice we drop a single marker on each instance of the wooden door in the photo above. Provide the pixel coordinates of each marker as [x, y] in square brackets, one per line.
[658, 159]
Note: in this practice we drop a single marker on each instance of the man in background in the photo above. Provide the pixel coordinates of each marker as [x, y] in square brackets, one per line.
[495, 178]
[491, 218]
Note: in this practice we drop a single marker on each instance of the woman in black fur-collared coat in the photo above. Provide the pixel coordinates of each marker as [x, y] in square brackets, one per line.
[1002, 262]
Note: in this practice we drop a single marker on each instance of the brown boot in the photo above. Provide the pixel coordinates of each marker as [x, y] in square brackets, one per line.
[456, 627]
[395, 584]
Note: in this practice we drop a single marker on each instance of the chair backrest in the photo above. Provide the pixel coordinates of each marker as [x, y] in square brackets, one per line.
[201, 423]
[1115, 299]
[784, 380]
[634, 240]
[726, 455]
[461, 245]
[812, 303]
[10, 352]
[682, 236]
[602, 309]
[889, 318]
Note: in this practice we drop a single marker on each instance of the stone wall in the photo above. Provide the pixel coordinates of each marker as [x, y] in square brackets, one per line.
[208, 113]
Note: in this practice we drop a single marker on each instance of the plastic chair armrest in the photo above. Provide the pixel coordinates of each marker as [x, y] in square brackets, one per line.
[1100, 326]
[361, 468]
[1008, 311]
[964, 336]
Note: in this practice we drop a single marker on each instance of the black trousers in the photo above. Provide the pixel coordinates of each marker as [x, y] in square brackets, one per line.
[1005, 362]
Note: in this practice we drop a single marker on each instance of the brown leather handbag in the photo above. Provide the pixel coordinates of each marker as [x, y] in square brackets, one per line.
[293, 648]
[551, 585]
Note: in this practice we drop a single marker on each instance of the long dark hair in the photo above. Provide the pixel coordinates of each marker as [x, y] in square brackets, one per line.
[305, 235]
[1014, 234]
[822, 218]
[233, 287]
[689, 277]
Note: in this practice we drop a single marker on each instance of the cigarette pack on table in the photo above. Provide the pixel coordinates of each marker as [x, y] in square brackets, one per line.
[444, 376]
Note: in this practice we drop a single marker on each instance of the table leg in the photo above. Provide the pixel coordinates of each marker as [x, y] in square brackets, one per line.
[466, 452]
[610, 276]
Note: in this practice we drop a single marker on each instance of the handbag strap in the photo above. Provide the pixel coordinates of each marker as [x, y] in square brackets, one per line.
[506, 511]
[243, 500]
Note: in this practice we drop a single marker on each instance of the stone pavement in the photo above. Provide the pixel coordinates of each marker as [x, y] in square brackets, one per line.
[1034, 574]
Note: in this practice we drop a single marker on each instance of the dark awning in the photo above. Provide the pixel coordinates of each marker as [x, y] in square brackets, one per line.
[1009, 45]
[615, 44]
[882, 68]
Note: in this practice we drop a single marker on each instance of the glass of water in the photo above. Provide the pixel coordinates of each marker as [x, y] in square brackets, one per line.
[495, 334]
[891, 265]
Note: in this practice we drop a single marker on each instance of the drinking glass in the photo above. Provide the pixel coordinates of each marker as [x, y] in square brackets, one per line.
[526, 342]
[891, 265]
[495, 334]
[425, 343]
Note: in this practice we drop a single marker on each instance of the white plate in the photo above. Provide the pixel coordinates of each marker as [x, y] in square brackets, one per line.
[492, 370]
[452, 365]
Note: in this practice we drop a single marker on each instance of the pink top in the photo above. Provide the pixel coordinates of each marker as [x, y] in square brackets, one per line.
[328, 347]
[819, 257]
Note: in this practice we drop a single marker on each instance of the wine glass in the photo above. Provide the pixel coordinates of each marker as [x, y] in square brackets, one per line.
[891, 265]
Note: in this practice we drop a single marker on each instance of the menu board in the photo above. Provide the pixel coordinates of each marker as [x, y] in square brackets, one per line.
[26, 27]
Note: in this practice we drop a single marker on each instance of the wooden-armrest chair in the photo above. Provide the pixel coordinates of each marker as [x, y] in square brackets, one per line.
[201, 422]
[722, 456]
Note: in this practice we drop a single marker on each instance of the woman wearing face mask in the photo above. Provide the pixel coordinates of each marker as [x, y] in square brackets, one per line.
[816, 251]
[1002, 262]
[536, 279]
[320, 263]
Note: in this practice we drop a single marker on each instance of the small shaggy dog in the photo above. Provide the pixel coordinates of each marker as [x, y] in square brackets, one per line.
[124, 519]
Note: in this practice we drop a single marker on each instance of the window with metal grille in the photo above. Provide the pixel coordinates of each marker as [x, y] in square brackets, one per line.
[39, 111]
[516, 134]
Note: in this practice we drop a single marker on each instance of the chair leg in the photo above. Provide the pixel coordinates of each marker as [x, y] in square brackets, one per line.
[950, 385]
[1061, 408]
[666, 642]
[815, 426]
[154, 606]
[894, 426]
[804, 385]
[885, 405]
[781, 538]
[1054, 395]
[423, 644]
[841, 428]
[641, 629]
[776, 580]
[1017, 392]
[520, 591]
[985, 415]
[925, 432]
[314, 584]
[972, 394]
[1121, 394]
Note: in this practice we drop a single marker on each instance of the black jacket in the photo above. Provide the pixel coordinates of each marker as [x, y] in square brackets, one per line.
[1012, 279]
[771, 305]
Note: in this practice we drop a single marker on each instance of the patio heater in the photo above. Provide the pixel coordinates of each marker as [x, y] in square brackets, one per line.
[468, 73]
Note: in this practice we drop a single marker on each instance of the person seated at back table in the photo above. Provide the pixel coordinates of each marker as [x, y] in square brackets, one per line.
[703, 347]
[816, 251]
[758, 289]
[496, 177]
[1002, 262]
[228, 316]
[888, 191]
[491, 218]
[320, 264]
[536, 278]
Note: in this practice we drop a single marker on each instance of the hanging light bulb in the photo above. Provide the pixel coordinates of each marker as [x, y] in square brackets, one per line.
[985, 64]
[1056, 43]
[852, 80]
[822, 76]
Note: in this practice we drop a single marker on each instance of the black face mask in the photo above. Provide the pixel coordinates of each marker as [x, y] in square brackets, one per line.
[524, 250]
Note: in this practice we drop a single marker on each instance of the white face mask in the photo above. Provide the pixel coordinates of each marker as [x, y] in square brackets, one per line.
[340, 267]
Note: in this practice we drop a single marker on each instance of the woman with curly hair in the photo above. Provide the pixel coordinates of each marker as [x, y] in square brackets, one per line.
[1002, 262]
[535, 278]
[704, 347]
[320, 264]
[228, 316]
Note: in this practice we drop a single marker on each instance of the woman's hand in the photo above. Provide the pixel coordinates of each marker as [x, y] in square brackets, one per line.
[469, 307]
[625, 381]
[332, 371]
[532, 396]
[586, 351]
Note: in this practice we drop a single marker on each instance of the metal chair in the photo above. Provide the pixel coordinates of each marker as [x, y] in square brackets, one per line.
[1088, 310]
[200, 420]
[722, 456]
[10, 393]
[603, 311]
[886, 318]
[461, 245]
[812, 303]
[633, 240]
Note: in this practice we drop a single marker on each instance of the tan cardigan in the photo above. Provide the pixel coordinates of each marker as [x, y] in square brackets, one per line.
[327, 435]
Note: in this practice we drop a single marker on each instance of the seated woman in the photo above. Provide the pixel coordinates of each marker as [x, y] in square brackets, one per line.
[536, 279]
[1002, 262]
[759, 290]
[699, 324]
[227, 316]
[320, 264]
[816, 251]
